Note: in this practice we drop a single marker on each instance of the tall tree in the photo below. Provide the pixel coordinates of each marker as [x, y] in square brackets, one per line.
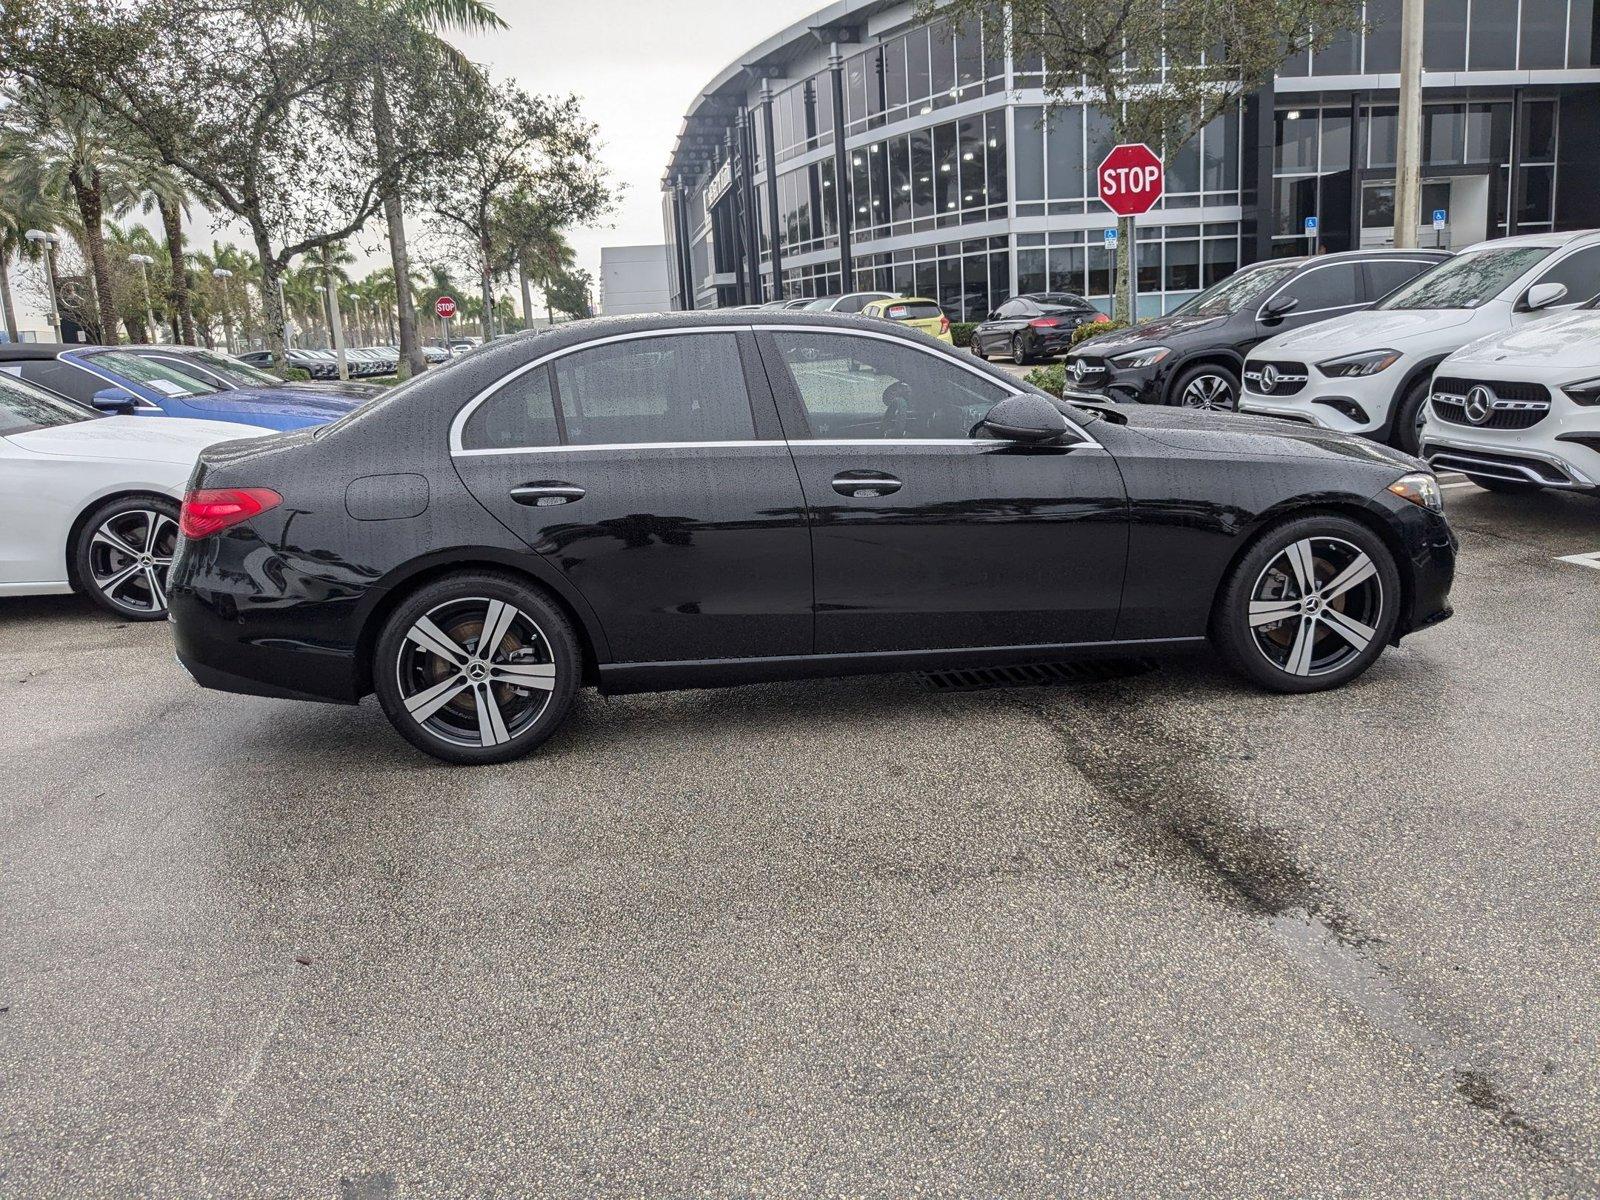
[161, 189]
[78, 151]
[22, 207]
[250, 100]
[1159, 70]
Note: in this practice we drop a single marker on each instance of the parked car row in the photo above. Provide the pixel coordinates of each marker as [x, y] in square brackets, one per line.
[361, 362]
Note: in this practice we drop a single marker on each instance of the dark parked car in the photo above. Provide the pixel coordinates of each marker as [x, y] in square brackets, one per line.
[704, 499]
[1193, 356]
[1038, 325]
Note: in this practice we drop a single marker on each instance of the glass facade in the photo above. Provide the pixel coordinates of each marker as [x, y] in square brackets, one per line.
[961, 184]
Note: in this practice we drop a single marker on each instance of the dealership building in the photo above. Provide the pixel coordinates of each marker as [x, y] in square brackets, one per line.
[894, 155]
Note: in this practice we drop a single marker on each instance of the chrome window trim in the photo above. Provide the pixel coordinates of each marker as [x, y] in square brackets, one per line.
[465, 412]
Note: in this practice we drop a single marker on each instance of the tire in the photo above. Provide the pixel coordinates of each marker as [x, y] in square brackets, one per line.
[122, 554]
[1509, 487]
[432, 682]
[1206, 388]
[1406, 432]
[1347, 629]
[976, 346]
[1019, 351]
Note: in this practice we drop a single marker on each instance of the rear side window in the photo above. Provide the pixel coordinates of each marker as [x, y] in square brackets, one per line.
[686, 388]
[522, 413]
[1335, 286]
[62, 378]
[1579, 273]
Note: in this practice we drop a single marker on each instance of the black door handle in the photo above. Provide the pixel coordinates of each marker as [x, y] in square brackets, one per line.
[864, 485]
[542, 495]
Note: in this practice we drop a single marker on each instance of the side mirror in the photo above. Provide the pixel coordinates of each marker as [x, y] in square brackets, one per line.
[1279, 307]
[1543, 295]
[1026, 419]
[114, 400]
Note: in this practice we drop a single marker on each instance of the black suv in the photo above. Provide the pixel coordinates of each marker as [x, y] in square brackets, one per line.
[1033, 326]
[1193, 355]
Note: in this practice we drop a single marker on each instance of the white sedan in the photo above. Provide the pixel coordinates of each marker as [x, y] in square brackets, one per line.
[90, 503]
[1521, 411]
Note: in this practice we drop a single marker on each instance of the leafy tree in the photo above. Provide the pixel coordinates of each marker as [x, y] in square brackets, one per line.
[165, 191]
[568, 293]
[1160, 70]
[22, 207]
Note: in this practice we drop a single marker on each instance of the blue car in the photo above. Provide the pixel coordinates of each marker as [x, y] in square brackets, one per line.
[143, 381]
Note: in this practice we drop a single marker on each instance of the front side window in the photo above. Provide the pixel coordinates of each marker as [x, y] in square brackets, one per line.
[1579, 273]
[1237, 292]
[156, 376]
[1468, 280]
[24, 408]
[684, 388]
[1335, 286]
[854, 387]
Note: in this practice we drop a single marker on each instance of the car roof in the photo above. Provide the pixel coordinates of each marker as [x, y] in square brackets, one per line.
[32, 351]
[905, 300]
[1538, 239]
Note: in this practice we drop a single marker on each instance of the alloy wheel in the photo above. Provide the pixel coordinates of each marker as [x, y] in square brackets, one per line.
[1316, 606]
[1211, 393]
[475, 671]
[1019, 351]
[129, 557]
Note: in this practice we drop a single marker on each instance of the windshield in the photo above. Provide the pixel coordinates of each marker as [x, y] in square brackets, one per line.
[231, 369]
[24, 408]
[158, 377]
[1237, 292]
[1468, 280]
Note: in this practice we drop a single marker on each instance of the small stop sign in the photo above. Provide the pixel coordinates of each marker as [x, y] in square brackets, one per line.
[444, 307]
[1131, 180]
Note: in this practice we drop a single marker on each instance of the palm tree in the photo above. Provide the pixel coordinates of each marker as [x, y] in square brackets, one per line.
[164, 190]
[424, 21]
[22, 208]
[130, 296]
[76, 151]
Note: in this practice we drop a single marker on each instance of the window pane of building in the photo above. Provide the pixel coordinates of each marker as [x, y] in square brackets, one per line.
[1029, 153]
[922, 173]
[1183, 266]
[995, 146]
[1539, 131]
[1444, 36]
[946, 181]
[974, 180]
[917, 83]
[1494, 35]
[1544, 35]
[944, 64]
[1064, 154]
[1296, 148]
[1030, 271]
[900, 178]
[1383, 39]
[1444, 134]
[894, 73]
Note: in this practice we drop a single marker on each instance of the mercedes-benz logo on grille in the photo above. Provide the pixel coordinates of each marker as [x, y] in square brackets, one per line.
[1479, 405]
[1269, 377]
[1079, 370]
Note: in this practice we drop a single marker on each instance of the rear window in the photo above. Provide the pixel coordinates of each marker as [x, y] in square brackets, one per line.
[912, 312]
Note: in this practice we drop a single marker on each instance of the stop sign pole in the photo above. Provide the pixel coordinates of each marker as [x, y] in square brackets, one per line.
[1132, 180]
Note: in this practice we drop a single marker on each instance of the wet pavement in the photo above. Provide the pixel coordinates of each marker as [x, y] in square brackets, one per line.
[1128, 935]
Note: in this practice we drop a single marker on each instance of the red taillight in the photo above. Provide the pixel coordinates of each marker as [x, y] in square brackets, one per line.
[944, 323]
[1101, 319]
[211, 510]
[1044, 322]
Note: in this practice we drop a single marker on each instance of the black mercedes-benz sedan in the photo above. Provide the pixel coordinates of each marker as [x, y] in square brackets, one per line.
[687, 500]
[1193, 355]
[1038, 325]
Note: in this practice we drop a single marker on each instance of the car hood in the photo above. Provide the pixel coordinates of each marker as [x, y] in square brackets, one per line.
[134, 439]
[1160, 330]
[285, 401]
[1367, 330]
[1568, 341]
[1239, 434]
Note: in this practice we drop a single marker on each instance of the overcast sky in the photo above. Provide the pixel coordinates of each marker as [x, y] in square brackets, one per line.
[636, 64]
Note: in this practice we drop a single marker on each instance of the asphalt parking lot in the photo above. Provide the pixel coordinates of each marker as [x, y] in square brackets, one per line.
[1141, 935]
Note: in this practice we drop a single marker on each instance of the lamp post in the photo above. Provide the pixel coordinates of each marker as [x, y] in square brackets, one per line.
[224, 274]
[336, 329]
[38, 236]
[145, 262]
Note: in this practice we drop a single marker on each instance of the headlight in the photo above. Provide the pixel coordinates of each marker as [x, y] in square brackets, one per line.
[1585, 392]
[1369, 362]
[1148, 357]
[1420, 488]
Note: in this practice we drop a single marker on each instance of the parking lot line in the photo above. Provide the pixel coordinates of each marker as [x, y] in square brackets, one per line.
[1590, 560]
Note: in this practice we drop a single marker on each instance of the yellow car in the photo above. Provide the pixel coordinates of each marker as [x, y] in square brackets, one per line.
[918, 312]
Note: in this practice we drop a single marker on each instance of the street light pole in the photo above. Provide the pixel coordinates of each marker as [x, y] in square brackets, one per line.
[40, 236]
[1408, 156]
[145, 261]
[224, 274]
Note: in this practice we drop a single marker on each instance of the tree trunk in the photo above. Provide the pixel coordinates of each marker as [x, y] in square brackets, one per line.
[91, 208]
[179, 313]
[5, 297]
[411, 359]
[271, 299]
[527, 296]
[1127, 285]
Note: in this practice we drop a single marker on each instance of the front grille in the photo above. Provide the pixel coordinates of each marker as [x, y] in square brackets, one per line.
[1092, 373]
[1275, 378]
[1501, 404]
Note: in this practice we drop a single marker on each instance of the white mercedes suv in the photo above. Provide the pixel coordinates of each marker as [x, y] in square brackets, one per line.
[1369, 372]
[1521, 411]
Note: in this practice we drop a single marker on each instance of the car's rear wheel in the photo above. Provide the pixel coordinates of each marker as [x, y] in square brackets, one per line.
[123, 553]
[477, 668]
[1019, 350]
[1310, 606]
[1207, 388]
[1510, 487]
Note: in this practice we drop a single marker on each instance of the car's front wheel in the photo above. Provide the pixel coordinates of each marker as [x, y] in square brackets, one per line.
[1208, 388]
[1310, 606]
[122, 555]
[1410, 417]
[476, 668]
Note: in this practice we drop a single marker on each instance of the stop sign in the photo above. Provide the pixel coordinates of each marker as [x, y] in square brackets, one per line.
[1131, 179]
[444, 307]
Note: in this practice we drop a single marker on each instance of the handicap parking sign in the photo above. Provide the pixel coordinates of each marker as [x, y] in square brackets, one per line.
[1311, 226]
[1111, 239]
[1440, 218]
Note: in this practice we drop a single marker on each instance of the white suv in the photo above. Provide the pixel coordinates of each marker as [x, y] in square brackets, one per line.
[1521, 411]
[1369, 372]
